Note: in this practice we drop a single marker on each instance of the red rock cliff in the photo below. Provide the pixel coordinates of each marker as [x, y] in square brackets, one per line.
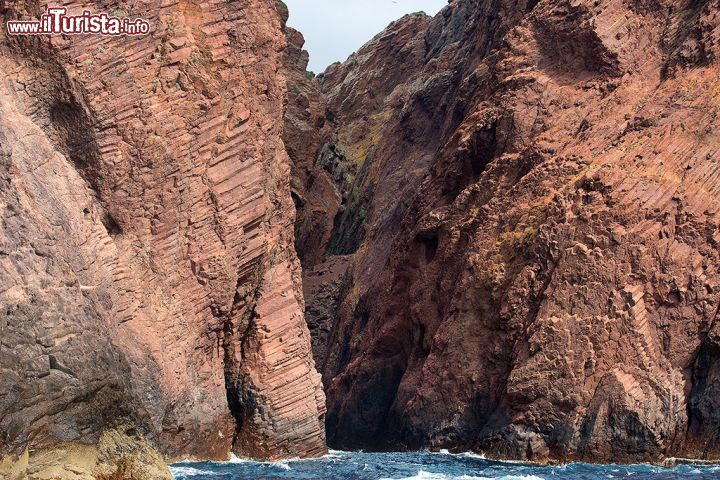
[530, 233]
[150, 296]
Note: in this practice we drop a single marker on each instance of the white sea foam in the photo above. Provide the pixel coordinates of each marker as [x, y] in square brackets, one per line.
[188, 471]
[478, 456]
[235, 459]
[278, 463]
[444, 451]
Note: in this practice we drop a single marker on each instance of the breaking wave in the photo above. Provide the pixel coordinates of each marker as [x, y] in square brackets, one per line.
[443, 465]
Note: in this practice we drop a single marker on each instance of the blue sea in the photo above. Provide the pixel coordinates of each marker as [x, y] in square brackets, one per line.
[426, 466]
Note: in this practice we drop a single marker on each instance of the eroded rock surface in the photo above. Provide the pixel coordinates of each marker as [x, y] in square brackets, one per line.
[149, 292]
[533, 224]
[315, 191]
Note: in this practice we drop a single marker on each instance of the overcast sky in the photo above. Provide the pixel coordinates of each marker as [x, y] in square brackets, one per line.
[333, 29]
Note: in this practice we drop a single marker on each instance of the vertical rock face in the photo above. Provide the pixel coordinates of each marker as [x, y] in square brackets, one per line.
[314, 189]
[150, 297]
[530, 232]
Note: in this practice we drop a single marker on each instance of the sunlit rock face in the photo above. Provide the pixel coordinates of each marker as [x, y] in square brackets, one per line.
[150, 296]
[524, 258]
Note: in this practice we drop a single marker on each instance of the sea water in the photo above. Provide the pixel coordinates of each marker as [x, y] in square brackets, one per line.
[427, 466]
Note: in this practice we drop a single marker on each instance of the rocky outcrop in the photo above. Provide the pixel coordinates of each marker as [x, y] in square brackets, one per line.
[306, 129]
[324, 285]
[150, 298]
[531, 233]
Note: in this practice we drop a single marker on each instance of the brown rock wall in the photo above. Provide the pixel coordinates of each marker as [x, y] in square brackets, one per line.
[149, 277]
[535, 275]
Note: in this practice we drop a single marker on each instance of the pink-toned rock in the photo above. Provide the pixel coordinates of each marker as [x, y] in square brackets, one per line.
[533, 230]
[149, 286]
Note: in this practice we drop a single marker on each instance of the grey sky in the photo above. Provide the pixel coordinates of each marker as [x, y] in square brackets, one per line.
[333, 29]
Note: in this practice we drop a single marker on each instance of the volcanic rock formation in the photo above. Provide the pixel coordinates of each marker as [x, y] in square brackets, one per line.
[150, 297]
[524, 258]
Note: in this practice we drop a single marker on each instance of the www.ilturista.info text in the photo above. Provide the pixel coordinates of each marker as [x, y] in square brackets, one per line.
[56, 20]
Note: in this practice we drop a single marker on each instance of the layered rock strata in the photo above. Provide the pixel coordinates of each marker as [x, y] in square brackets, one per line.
[150, 297]
[532, 228]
